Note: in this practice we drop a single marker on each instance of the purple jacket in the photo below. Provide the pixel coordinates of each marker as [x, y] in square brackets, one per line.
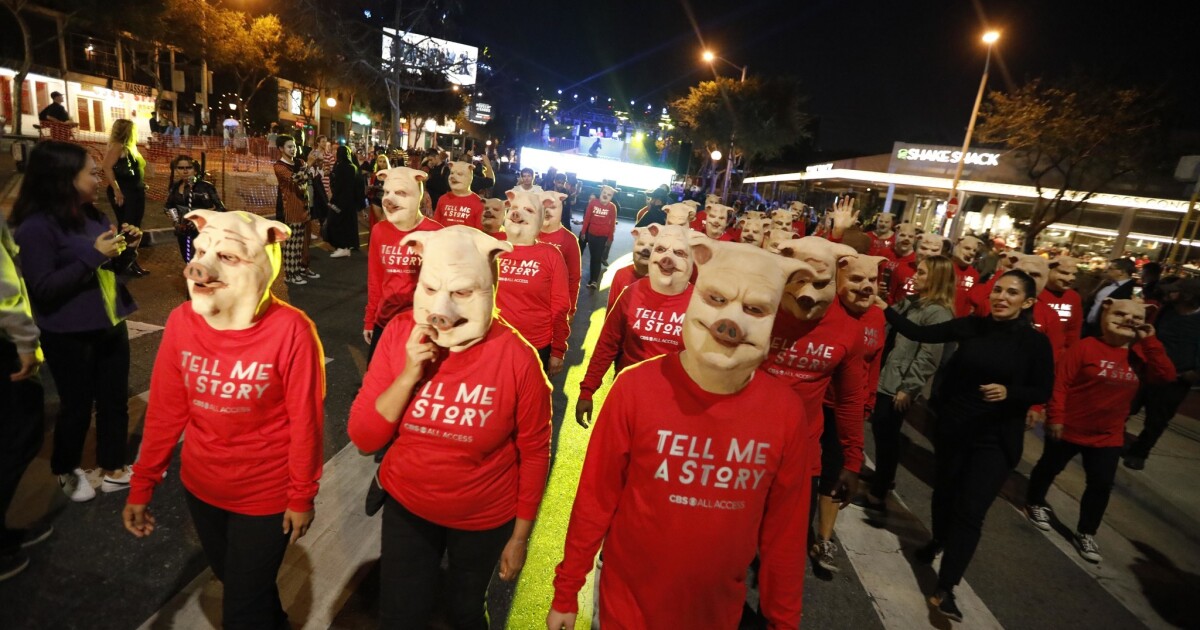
[72, 286]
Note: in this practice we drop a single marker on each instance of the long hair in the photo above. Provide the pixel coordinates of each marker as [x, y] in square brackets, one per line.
[386, 164]
[940, 283]
[343, 156]
[124, 134]
[49, 186]
[1028, 286]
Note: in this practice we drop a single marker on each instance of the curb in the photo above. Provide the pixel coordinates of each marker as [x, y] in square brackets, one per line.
[158, 236]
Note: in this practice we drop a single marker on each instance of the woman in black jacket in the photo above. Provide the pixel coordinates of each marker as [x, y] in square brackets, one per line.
[1003, 366]
[188, 191]
[341, 226]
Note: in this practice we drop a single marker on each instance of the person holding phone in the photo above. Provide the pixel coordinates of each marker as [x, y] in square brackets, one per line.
[125, 169]
[72, 257]
[188, 191]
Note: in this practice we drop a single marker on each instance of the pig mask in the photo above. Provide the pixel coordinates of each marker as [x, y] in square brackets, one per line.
[680, 214]
[1121, 319]
[643, 248]
[1036, 267]
[461, 174]
[930, 244]
[883, 224]
[552, 205]
[808, 298]
[1062, 273]
[967, 250]
[670, 258]
[775, 239]
[906, 236]
[716, 220]
[493, 215]
[711, 200]
[729, 318]
[523, 218]
[402, 191]
[237, 258]
[456, 289]
[782, 219]
[858, 282]
[606, 193]
[753, 231]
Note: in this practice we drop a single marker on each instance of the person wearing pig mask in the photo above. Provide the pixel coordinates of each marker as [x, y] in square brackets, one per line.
[554, 233]
[460, 206]
[900, 254]
[682, 214]
[643, 245]
[901, 283]
[647, 318]
[787, 220]
[883, 237]
[599, 225]
[672, 452]
[391, 267]
[774, 239]
[701, 215]
[493, 219]
[1094, 384]
[1064, 300]
[243, 373]
[753, 230]
[462, 400]
[816, 344]
[532, 294]
[964, 255]
[716, 222]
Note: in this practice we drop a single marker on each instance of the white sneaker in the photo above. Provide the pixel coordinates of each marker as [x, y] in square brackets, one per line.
[340, 253]
[116, 484]
[296, 279]
[76, 486]
[309, 273]
[1087, 547]
[1039, 515]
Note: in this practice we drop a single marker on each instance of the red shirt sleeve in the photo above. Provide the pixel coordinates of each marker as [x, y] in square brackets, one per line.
[872, 384]
[849, 382]
[1073, 327]
[1064, 375]
[369, 430]
[601, 483]
[560, 303]
[587, 218]
[533, 431]
[782, 536]
[608, 346]
[375, 273]
[573, 258]
[1159, 368]
[166, 417]
[304, 380]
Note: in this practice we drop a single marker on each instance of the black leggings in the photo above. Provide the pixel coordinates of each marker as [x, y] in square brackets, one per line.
[1100, 464]
[1161, 403]
[90, 368]
[245, 553]
[596, 246]
[886, 425]
[134, 209]
[411, 555]
[970, 473]
[20, 433]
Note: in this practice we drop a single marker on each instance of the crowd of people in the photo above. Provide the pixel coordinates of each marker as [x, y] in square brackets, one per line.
[473, 278]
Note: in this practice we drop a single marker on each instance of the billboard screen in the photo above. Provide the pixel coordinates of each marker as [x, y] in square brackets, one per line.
[628, 176]
[457, 60]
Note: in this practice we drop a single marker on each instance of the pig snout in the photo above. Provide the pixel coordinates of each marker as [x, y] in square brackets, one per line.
[666, 265]
[727, 332]
[441, 322]
[199, 273]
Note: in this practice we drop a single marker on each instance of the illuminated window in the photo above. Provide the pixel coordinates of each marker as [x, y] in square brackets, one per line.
[295, 106]
[84, 113]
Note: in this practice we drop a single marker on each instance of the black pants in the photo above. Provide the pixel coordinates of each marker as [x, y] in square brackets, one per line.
[375, 340]
[186, 249]
[544, 355]
[1161, 403]
[90, 368]
[970, 473]
[20, 433]
[245, 553]
[1100, 464]
[134, 209]
[832, 458]
[596, 245]
[411, 555]
[886, 424]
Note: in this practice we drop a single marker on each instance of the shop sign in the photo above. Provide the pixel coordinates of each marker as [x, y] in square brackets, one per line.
[132, 88]
[818, 168]
[946, 156]
[360, 118]
[480, 113]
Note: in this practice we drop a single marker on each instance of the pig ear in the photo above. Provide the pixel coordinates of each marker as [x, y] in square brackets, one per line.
[273, 231]
[200, 217]
[654, 228]
[490, 247]
[692, 214]
[794, 269]
[1106, 303]
[561, 196]
[635, 232]
[420, 176]
[511, 196]
[844, 261]
[382, 175]
[416, 241]
[547, 203]
[702, 253]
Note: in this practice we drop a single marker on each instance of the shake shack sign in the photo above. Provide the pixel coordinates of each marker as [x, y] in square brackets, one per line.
[947, 156]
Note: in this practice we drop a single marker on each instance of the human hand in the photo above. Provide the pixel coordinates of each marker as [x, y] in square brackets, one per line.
[30, 361]
[583, 413]
[132, 234]
[556, 366]
[1034, 417]
[879, 302]
[560, 620]
[1144, 331]
[512, 559]
[138, 520]
[419, 351]
[118, 196]
[846, 488]
[368, 335]
[843, 216]
[296, 524]
[1054, 431]
[110, 243]
[901, 402]
[994, 392]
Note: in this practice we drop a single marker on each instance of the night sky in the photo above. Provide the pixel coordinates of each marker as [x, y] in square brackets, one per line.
[876, 71]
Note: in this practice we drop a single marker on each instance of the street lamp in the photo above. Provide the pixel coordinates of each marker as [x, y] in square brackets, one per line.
[989, 38]
[716, 157]
[710, 57]
[332, 102]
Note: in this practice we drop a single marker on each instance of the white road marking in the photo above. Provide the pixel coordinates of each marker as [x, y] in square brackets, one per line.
[140, 329]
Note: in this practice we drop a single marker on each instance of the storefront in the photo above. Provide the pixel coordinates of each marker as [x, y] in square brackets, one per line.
[914, 181]
[89, 102]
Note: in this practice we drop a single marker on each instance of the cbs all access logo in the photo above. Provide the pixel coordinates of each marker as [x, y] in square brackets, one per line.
[946, 156]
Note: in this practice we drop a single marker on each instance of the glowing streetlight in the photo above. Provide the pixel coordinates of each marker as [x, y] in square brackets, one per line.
[454, 87]
[332, 102]
[991, 37]
[233, 106]
[715, 155]
[488, 143]
[708, 56]
[430, 125]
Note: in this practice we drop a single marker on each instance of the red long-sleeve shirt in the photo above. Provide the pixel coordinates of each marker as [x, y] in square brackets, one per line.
[968, 277]
[392, 271]
[641, 325]
[809, 356]
[1094, 384]
[473, 446]
[683, 492]
[622, 278]
[568, 245]
[600, 219]
[532, 295]
[252, 403]
[454, 209]
[1069, 306]
[901, 281]
[888, 270]
[874, 335]
[880, 245]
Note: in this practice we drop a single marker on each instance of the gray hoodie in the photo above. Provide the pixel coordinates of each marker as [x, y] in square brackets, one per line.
[910, 364]
[16, 317]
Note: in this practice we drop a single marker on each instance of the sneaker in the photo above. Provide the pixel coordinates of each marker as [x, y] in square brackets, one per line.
[340, 253]
[593, 286]
[34, 534]
[309, 273]
[1133, 462]
[1087, 547]
[116, 484]
[76, 486]
[1039, 515]
[12, 565]
[927, 554]
[296, 279]
[944, 602]
[822, 553]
